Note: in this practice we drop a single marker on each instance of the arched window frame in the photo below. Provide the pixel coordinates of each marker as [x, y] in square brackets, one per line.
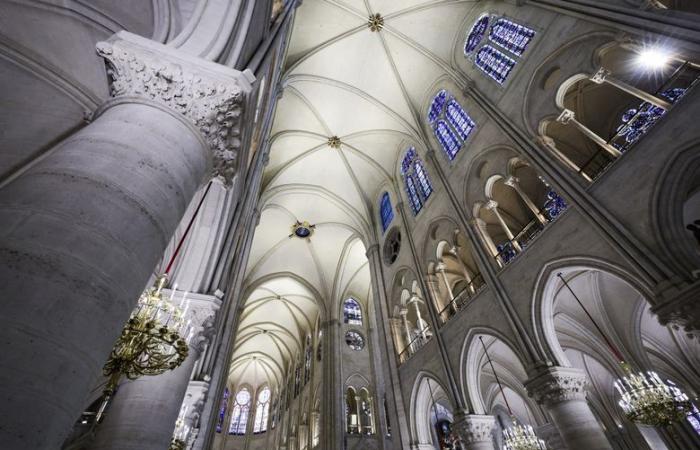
[386, 212]
[352, 316]
[416, 180]
[496, 43]
[308, 357]
[262, 411]
[240, 413]
[451, 124]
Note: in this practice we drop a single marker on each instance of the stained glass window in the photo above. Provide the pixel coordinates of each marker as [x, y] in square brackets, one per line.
[222, 411]
[418, 187]
[385, 211]
[476, 34]
[494, 63]
[511, 36]
[239, 414]
[459, 119]
[423, 180]
[448, 140]
[437, 105]
[262, 410]
[354, 340]
[307, 359]
[416, 203]
[694, 419]
[352, 313]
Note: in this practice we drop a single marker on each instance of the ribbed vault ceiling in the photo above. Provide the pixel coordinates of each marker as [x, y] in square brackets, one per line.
[371, 89]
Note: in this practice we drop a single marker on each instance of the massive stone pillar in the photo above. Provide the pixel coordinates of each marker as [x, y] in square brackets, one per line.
[475, 431]
[84, 227]
[562, 391]
[143, 413]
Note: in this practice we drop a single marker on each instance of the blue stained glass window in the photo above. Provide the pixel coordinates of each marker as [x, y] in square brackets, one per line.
[437, 106]
[459, 119]
[408, 160]
[352, 313]
[447, 139]
[494, 63]
[222, 411]
[385, 211]
[423, 180]
[511, 36]
[476, 34]
[418, 187]
[416, 203]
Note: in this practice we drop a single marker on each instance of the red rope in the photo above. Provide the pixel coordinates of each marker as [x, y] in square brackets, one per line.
[187, 230]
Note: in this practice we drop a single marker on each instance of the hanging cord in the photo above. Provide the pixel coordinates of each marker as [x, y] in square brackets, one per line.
[187, 230]
[612, 348]
[500, 386]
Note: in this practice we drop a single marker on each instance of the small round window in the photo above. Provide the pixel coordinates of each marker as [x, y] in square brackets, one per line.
[392, 246]
[354, 340]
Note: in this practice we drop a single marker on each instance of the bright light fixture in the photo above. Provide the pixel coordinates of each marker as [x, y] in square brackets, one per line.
[653, 58]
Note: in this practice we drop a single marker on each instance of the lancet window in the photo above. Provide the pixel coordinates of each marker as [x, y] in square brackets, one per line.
[240, 412]
[385, 211]
[262, 411]
[416, 180]
[451, 124]
[308, 356]
[497, 55]
[222, 411]
[352, 313]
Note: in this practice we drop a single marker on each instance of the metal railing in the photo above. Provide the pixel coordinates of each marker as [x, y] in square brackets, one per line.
[638, 121]
[462, 298]
[416, 344]
[509, 251]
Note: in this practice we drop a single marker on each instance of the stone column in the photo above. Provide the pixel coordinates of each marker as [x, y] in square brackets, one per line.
[441, 268]
[569, 117]
[475, 431]
[562, 391]
[465, 270]
[493, 206]
[144, 411]
[84, 227]
[407, 329]
[603, 76]
[514, 183]
[548, 143]
[416, 301]
[479, 227]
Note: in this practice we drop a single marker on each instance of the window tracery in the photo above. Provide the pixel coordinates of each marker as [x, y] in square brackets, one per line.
[222, 411]
[509, 39]
[451, 124]
[262, 411]
[240, 412]
[416, 180]
[352, 313]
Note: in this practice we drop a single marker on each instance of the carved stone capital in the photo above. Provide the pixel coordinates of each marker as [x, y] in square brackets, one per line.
[682, 312]
[566, 116]
[600, 76]
[473, 428]
[558, 384]
[210, 95]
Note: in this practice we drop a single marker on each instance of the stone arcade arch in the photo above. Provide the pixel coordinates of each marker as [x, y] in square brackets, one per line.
[617, 304]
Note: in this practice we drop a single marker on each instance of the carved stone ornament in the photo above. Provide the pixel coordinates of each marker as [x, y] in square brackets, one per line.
[566, 116]
[210, 95]
[472, 428]
[558, 384]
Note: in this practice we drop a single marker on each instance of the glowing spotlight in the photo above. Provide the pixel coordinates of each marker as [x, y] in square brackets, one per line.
[653, 58]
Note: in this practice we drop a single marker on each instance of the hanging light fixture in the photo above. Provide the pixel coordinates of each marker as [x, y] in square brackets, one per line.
[517, 436]
[155, 338]
[644, 397]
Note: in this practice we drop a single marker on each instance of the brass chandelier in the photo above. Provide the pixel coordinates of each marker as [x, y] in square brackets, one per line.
[517, 436]
[644, 397]
[155, 338]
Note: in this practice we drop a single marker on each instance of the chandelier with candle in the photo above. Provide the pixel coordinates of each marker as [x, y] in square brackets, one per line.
[156, 337]
[181, 433]
[644, 397]
[517, 436]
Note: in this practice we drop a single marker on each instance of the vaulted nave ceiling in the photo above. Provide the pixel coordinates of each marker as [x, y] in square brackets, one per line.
[370, 89]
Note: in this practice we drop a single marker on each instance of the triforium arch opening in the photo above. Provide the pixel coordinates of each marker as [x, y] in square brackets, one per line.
[601, 316]
[432, 415]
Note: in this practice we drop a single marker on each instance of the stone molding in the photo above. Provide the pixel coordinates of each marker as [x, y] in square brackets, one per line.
[474, 428]
[558, 384]
[202, 314]
[209, 95]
